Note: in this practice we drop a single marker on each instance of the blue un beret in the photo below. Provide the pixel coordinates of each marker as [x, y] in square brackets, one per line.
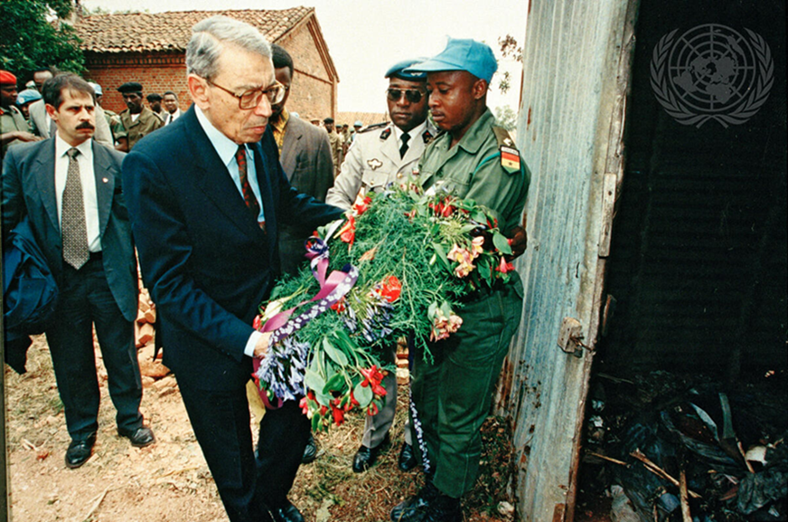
[461, 55]
[398, 70]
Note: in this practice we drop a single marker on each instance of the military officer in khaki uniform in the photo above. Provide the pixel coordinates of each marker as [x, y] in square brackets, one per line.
[379, 156]
[335, 143]
[472, 159]
[137, 121]
[374, 160]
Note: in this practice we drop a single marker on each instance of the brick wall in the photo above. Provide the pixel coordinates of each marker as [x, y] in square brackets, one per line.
[312, 89]
[157, 72]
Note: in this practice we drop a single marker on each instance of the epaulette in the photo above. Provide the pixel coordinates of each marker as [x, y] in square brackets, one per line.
[373, 127]
[510, 157]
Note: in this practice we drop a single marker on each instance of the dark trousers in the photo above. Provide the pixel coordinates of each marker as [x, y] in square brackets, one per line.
[248, 482]
[86, 300]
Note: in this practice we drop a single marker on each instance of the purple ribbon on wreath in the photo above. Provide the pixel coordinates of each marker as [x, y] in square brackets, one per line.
[332, 289]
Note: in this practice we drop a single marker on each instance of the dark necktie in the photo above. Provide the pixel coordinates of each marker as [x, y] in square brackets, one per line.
[246, 188]
[72, 220]
[404, 147]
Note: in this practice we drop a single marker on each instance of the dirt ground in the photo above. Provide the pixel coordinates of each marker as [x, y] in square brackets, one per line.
[170, 482]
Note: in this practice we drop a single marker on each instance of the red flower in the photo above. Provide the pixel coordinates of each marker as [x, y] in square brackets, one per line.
[373, 378]
[504, 267]
[361, 205]
[389, 288]
[339, 306]
[257, 323]
[338, 414]
[351, 402]
[348, 231]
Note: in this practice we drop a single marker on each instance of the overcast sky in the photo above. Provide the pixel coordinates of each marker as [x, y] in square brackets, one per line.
[366, 37]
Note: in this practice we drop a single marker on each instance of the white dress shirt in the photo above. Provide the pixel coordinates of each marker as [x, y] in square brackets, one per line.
[171, 117]
[88, 182]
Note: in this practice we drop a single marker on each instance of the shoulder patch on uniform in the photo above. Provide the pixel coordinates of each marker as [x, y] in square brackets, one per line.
[510, 157]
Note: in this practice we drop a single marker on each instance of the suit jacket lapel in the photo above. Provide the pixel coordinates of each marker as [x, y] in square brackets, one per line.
[212, 178]
[104, 172]
[44, 175]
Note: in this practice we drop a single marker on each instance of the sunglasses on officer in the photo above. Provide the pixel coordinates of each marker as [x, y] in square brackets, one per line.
[412, 95]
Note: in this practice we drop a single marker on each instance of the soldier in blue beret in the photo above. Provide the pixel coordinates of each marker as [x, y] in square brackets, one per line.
[473, 158]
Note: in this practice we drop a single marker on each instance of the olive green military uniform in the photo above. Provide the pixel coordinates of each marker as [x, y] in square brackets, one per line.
[453, 395]
[134, 131]
[12, 120]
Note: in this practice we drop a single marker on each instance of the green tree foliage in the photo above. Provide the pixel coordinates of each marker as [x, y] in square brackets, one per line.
[33, 35]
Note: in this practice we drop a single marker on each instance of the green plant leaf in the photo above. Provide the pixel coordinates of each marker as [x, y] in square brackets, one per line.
[501, 243]
[336, 355]
[363, 395]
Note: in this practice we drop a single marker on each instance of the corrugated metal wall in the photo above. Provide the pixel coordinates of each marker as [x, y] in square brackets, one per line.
[571, 59]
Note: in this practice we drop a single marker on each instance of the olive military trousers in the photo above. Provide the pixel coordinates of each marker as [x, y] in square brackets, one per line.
[452, 395]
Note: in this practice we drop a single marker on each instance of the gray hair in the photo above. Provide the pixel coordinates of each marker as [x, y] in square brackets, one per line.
[209, 37]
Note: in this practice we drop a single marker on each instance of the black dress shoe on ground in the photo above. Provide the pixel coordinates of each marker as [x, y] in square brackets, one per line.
[365, 457]
[287, 513]
[407, 509]
[430, 505]
[407, 459]
[140, 437]
[310, 451]
[79, 451]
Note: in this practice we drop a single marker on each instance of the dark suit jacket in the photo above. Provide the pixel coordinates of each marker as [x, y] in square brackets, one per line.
[204, 259]
[306, 160]
[29, 189]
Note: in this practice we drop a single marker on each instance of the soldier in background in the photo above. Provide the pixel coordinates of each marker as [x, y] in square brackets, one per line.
[335, 141]
[137, 121]
[155, 102]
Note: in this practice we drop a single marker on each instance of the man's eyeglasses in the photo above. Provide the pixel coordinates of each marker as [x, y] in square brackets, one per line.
[412, 95]
[250, 99]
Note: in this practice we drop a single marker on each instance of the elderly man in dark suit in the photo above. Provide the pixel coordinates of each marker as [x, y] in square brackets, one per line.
[206, 196]
[70, 188]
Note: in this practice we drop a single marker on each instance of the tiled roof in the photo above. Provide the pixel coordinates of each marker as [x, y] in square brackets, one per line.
[142, 32]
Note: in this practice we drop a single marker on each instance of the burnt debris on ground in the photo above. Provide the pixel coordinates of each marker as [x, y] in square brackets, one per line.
[670, 447]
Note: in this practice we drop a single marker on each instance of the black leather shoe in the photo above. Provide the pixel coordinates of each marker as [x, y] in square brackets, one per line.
[407, 459]
[365, 457]
[79, 451]
[407, 509]
[428, 506]
[310, 451]
[287, 513]
[140, 437]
